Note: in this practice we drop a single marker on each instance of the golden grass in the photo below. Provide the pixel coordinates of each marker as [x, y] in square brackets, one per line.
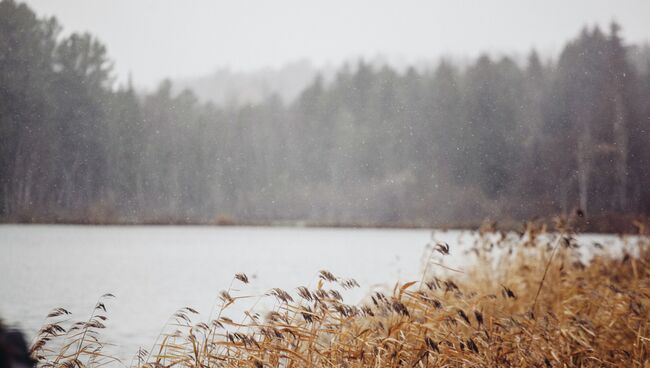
[525, 301]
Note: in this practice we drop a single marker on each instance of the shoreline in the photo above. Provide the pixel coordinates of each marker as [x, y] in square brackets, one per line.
[604, 224]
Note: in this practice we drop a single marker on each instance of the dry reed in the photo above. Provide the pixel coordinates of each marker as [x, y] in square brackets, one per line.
[527, 300]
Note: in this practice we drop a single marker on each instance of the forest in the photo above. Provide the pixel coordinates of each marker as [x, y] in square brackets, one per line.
[498, 138]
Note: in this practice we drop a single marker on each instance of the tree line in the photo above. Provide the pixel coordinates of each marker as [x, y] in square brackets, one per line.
[451, 145]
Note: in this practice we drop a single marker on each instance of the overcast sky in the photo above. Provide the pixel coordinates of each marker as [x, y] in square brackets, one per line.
[154, 39]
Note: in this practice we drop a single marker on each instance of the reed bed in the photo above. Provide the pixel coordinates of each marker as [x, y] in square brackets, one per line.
[525, 299]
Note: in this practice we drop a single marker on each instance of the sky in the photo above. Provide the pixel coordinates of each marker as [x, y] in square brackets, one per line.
[155, 39]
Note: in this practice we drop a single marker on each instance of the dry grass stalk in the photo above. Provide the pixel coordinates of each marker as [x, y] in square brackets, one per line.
[496, 313]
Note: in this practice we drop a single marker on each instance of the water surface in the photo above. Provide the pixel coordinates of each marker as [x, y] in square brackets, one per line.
[154, 270]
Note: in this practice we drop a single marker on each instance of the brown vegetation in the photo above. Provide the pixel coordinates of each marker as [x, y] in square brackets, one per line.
[527, 300]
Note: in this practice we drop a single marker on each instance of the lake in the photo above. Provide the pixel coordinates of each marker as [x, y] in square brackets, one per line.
[154, 270]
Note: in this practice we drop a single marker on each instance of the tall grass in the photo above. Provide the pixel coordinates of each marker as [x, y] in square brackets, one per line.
[525, 299]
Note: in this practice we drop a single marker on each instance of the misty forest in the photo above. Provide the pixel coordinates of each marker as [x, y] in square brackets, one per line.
[496, 137]
[489, 207]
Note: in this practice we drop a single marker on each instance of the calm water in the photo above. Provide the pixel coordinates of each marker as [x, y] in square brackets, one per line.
[153, 271]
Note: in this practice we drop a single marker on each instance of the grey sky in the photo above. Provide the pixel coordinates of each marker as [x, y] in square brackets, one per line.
[154, 39]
